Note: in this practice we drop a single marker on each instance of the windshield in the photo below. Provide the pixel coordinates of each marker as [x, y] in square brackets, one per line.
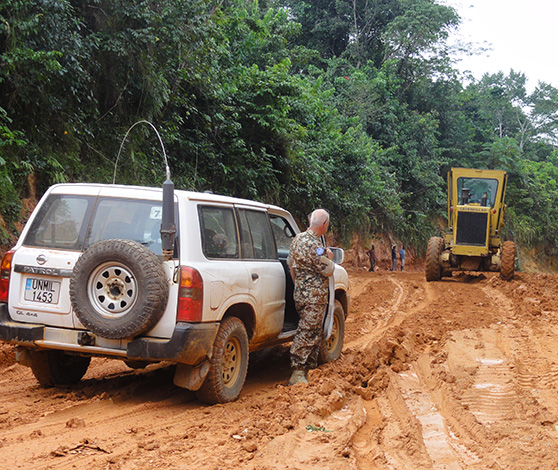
[480, 191]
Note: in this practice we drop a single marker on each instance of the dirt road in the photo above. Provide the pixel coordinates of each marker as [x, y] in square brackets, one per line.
[459, 374]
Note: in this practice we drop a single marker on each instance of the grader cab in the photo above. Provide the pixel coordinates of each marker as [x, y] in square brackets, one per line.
[473, 241]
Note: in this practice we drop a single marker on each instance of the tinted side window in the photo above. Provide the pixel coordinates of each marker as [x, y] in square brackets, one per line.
[257, 239]
[247, 247]
[61, 222]
[283, 233]
[130, 219]
[219, 237]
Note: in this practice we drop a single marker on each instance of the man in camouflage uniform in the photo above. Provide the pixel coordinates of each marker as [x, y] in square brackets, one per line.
[310, 265]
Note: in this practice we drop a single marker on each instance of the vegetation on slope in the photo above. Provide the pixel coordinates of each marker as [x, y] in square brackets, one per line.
[353, 106]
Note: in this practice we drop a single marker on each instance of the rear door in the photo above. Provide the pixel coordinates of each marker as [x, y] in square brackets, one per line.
[226, 280]
[266, 275]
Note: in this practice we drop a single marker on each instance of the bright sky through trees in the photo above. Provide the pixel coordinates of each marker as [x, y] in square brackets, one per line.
[521, 36]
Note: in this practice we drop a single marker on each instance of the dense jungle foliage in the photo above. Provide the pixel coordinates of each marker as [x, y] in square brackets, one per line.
[351, 105]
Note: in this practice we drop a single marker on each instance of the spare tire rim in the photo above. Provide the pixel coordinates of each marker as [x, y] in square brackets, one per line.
[112, 290]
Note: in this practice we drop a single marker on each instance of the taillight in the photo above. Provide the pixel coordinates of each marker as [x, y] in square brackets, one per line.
[190, 295]
[5, 270]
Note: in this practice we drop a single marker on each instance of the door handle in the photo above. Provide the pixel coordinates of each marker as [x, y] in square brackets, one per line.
[255, 276]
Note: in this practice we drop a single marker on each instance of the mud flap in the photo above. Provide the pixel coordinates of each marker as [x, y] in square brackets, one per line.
[23, 356]
[328, 320]
[190, 377]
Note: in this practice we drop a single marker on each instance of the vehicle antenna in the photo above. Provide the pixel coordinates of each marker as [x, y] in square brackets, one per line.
[168, 227]
[124, 140]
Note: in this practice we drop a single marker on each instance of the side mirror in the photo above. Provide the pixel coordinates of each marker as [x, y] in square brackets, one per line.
[338, 254]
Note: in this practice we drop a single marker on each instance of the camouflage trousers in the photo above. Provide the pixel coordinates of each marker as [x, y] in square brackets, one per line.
[306, 343]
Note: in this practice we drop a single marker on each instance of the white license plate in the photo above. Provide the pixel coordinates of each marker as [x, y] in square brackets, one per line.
[42, 290]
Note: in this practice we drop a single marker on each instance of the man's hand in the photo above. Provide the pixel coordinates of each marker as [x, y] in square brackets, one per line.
[329, 253]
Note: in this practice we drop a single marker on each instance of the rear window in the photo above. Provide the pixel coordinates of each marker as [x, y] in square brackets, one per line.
[76, 222]
[130, 219]
[61, 222]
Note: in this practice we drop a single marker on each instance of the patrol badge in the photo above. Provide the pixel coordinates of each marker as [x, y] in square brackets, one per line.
[320, 251]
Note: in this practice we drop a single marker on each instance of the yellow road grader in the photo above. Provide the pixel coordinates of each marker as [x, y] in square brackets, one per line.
[473, 241]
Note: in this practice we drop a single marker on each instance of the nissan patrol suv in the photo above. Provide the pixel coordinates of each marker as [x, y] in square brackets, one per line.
[98, 271]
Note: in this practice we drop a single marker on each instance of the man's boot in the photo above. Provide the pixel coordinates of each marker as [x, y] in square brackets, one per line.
[298, 377]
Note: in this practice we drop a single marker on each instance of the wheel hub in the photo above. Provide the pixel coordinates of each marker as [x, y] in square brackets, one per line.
[115, 289]
[112, 290]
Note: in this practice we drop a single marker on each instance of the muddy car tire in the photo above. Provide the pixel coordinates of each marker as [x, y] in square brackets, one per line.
[331, 348]
[52, 368]
[433, 264]
[507, 261]
[118, 289]
[229, 364]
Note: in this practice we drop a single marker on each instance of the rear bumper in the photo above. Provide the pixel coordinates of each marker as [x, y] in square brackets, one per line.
[190, 342]
[18, 333]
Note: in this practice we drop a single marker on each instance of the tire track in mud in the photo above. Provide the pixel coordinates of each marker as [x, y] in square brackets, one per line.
[481, 391]
[535, 373]
[388, 313]
[531, 352]
[456, 375]
[492, 396]
[430, 404]
[420, 407]
[109, 423]
[384, 318]
[439, 447]
[392, 414]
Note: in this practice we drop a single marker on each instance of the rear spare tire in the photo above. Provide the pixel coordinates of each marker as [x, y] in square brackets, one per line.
[118, 289]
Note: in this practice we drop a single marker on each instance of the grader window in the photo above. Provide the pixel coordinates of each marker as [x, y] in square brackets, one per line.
[481, 191]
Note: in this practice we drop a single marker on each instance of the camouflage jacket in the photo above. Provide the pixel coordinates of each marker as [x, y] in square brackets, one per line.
[311, 267]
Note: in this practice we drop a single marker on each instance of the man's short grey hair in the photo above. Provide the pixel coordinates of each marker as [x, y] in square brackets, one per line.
[318, 218]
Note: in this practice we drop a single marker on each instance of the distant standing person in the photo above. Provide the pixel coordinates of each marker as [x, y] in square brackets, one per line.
[372, 257]
[402, 256]
[310, 266]
[393, 258]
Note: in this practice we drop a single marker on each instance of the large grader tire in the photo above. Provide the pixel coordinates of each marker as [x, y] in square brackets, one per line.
[118, 289]
[507, 261]
[433, 263]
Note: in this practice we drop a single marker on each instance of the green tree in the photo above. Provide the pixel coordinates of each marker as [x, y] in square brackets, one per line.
[544, 112]
[349, 104]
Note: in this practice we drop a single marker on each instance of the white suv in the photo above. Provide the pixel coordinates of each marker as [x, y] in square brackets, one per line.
[89, 277]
